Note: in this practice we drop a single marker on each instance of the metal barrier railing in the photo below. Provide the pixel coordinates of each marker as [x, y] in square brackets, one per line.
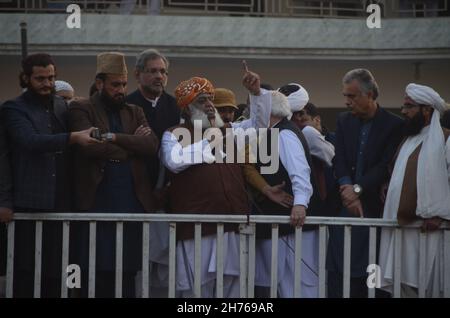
[271, 8]
[246, 251]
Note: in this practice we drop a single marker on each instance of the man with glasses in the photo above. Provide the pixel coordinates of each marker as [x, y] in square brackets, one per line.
[161, 112]
[419, 190]
[366, 139]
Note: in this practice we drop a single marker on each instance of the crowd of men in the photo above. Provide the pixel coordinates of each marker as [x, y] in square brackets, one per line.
[140, 153]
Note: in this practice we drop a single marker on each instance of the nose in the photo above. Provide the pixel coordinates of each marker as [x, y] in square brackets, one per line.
[403, 111]
[121, 89]
[47, 82]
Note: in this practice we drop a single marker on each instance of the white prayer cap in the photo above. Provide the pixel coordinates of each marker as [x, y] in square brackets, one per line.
[425, 95]
[63, 86]
[297, 96]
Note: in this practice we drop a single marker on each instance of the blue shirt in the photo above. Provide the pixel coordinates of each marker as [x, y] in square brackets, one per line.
[363, 138]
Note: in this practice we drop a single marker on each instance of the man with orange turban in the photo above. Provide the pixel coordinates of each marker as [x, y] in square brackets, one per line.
[223, 191]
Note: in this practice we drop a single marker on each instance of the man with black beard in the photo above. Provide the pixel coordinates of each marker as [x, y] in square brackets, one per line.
[36, 128]
[112, 176]
[419, 190]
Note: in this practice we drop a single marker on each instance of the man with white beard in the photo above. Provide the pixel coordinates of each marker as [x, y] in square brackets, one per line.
[204, 186]
[419, 190]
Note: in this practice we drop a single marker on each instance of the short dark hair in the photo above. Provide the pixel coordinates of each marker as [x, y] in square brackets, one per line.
[266, 86]
[445, 121]
[311, 110]
[37, 59]
[288, 89]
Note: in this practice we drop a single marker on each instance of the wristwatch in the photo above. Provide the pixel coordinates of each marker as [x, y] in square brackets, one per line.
[357, 189]
[108, 136]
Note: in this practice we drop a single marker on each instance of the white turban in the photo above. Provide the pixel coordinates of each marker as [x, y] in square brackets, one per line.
[433, 191]
[425, 95]
[298, 99]
[63, 86]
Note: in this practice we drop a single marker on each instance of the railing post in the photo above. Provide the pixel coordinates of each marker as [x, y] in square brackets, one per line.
[446, 246]
[65, 258]
[298, 263]
[219, 258]
[243, 261]
[92, 258]
[145, 258]
[38, 260]
[10, 260]
[274, 264]
[198, 261]
[397, 263]
[172, 258]
[251, 261]
[347, 261]
[322, 260]
[372, 255]
[119, 258]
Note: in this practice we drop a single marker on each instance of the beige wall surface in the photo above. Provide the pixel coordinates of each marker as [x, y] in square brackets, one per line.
[322, 78]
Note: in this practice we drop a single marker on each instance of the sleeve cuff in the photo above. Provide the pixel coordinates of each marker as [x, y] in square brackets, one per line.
[301, 200]
[345, 180]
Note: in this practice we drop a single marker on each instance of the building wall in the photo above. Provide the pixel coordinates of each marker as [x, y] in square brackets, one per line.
[322, 78]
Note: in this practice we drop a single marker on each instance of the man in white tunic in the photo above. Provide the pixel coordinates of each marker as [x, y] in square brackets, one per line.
[294, 171]
[419, 190]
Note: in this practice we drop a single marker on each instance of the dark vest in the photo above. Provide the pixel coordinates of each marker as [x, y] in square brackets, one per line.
[216, 188]
[268, 207]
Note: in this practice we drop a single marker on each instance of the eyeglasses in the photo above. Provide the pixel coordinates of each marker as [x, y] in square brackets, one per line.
[154, 71]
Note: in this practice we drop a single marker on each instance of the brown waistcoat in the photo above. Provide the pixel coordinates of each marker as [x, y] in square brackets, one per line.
[408, 198]
[216, 188]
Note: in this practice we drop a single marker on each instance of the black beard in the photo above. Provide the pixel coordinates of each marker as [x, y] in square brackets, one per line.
[110, 102]
[46, 100]
[414, 125]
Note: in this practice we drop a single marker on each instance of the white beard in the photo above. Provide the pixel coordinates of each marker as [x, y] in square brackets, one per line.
[199, 115]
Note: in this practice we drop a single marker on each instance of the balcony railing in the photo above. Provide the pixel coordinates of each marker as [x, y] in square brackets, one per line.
[246, 250]
[259, 8]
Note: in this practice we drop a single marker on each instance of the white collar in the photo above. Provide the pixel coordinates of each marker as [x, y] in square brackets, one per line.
[153, 101]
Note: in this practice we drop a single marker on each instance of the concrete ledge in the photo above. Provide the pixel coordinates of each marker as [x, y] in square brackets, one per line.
[231, 36]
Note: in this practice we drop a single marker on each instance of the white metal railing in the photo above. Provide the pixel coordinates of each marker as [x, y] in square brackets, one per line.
[272, 8]
[247, 249]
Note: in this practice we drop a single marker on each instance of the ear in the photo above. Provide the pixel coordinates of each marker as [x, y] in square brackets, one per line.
[99, 84]
[427, 111]
[136, 74]
[370, 95]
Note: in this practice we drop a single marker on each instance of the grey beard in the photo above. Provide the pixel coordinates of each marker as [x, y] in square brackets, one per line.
[197, 114]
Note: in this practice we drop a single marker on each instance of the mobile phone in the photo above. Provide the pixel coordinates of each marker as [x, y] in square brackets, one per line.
[96, 134]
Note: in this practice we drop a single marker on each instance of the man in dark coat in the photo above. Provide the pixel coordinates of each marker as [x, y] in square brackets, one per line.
[39, 142]
[112, 177]
[161, 111]
[366, 139]
[160, 108]
[6, 212]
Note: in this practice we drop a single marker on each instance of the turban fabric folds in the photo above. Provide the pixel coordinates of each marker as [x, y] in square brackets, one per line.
[188, 90]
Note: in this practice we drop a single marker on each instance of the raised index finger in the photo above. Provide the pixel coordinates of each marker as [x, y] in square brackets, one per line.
[244, 64]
